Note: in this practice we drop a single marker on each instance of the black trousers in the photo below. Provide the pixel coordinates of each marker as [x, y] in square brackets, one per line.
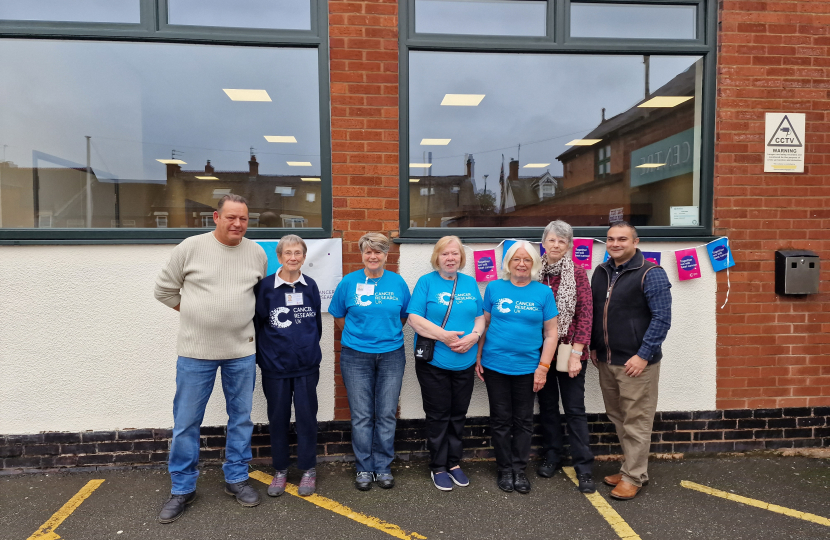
[511, 418]
[446, 397]
[573, 403]
[279, 393]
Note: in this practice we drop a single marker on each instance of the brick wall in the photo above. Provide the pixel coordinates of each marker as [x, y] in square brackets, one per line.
[774, 57]
[363, 39]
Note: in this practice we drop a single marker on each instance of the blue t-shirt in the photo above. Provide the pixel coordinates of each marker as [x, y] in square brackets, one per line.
[430, 300]
[516, 332]
[373, 313]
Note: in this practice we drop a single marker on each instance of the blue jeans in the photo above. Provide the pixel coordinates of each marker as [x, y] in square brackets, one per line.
[373, 382]
[194, 384]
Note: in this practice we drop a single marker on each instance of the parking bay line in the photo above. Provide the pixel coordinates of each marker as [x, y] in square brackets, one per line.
[756, 503]
[47, 530]
[623, 530]
[337, 508]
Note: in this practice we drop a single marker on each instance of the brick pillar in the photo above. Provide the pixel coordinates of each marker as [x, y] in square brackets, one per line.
[364, 121]
[773, 351]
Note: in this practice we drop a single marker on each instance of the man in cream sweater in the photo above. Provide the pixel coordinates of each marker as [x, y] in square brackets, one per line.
[210, 280]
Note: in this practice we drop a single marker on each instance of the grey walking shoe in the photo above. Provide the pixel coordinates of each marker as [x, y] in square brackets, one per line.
[175, 506]
[308, 483]
[244, 493]
[363, 481]
[277, 486]
[385, 480]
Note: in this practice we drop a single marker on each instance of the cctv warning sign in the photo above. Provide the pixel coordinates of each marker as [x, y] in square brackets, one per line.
[784, 136]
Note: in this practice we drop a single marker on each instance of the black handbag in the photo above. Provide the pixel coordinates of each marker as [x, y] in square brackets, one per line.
[425, 347]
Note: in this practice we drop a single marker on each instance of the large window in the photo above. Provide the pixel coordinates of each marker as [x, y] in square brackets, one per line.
[138, 139]
[509, 132]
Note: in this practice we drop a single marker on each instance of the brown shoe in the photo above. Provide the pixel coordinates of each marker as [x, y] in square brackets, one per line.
[612, 480]
[624, 491]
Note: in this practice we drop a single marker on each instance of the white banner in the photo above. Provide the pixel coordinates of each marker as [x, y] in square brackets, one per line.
[323, 263]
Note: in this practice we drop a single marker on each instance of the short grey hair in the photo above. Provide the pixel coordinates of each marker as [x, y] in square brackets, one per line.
[230, 197]
[559, 228]
[534, 254]
[290, 240]
[374, 241]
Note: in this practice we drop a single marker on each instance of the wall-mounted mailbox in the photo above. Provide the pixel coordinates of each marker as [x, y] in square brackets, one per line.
[796, 272]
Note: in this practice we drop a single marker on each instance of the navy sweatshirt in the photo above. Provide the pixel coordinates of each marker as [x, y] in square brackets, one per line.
[287, 337]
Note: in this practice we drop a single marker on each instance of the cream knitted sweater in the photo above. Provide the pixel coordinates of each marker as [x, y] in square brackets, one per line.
[214, 285]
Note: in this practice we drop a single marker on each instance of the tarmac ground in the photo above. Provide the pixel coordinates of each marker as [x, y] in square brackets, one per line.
[769, 497]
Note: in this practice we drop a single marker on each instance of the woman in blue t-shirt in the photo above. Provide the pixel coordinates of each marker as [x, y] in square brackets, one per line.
[447, 381]
[369, 306]
[521, 319]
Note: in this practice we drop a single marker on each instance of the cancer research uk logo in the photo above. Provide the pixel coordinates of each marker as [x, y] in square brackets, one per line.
[358, 300]
[275, 318]
[500, 305]
[444, 298]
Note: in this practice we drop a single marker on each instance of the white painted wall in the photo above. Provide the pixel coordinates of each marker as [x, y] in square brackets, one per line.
[84, 346]
[687, 376]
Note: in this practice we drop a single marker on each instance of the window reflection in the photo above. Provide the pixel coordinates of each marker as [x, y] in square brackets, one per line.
[91, 11]
[115, 135]
[482, 17]
[272, 14]
[568, 139]
[632, 21]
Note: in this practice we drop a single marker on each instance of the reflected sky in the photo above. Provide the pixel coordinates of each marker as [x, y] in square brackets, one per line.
[483, 17]
[282, 14]
[539, 101]
[139, 102]
[633, 21]
[118, 11]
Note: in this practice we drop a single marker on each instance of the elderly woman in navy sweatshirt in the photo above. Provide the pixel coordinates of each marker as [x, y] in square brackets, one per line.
[288, 330]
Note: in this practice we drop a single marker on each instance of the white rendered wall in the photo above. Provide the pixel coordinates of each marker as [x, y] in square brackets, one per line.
[85, 346]
[687, 374]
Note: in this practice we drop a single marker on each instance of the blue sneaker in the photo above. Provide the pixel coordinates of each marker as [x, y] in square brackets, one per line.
[442, 480]
[458, 476]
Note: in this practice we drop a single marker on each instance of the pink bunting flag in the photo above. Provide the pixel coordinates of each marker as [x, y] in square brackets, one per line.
[688, 265]
[583, 252]
[485, 262]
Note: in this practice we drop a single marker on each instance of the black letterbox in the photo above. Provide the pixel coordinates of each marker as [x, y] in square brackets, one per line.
[796, 272]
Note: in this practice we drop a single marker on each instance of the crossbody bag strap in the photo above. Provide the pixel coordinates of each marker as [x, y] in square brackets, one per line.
[452, 299]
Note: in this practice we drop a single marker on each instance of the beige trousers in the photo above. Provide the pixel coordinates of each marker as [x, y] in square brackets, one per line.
[630, 402]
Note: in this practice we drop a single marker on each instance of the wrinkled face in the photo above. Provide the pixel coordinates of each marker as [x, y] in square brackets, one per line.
[520, 264]
[292, 257]
[555, 247]
[450, 258]
[373, 260]
[231, 223]
[621, 244]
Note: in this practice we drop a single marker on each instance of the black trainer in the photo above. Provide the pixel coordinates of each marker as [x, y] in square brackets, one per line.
[548, 468]
[521, 484]
[244, 493]
[586, 483]
[174, 507]
[505, 481]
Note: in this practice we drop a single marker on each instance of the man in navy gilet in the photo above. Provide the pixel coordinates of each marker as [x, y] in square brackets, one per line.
[632, 315]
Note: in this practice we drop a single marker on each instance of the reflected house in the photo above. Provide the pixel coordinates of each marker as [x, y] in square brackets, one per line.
[623, 169]
[443, 201]
[190, 197]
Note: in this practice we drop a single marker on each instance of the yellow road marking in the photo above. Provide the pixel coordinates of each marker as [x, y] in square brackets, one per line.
[756, 503]
[47, 530]
[337, 508]
[616, 521]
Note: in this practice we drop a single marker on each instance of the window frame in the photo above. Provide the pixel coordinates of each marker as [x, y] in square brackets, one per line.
[153, 28]
[558, 40]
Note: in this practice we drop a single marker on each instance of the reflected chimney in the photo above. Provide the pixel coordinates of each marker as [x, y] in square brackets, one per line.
[603, 114]
[471, 167]
[208, 169]
[514, 169]
[253, 168]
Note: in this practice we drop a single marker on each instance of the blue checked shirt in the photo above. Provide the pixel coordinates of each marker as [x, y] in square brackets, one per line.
[658, 296]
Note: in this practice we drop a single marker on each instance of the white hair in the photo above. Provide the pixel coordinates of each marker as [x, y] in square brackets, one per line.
[531, 250]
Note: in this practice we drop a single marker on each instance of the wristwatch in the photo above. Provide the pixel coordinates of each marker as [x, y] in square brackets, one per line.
[578, 353]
